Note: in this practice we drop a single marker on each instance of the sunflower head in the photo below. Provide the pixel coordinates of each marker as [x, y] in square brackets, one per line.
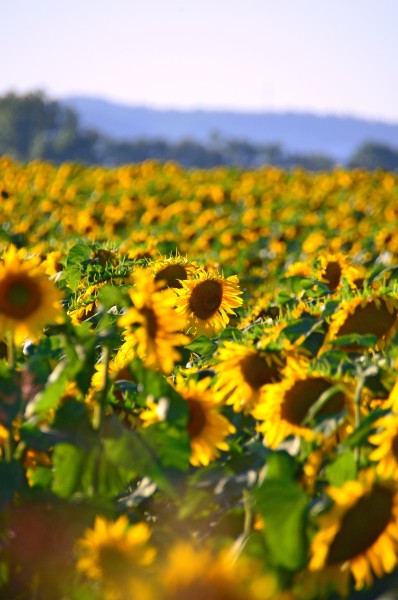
[192, 573]
[376, 315]
[207, 301]
[114, 554]
[242, 371]
[285, 408]
[206, 426]
[334, 268]
[152, 328]
[359, 533]
[169, 272]
[28, 299]
[385, 441]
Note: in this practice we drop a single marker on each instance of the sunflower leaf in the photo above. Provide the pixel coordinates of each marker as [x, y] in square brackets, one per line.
[77, 255]
[358, 437]
[367, 340]
[283, 506]
[342, 469]
[202, 346]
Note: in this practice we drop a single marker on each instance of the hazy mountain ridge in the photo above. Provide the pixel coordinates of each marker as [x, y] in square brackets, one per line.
[297, 132]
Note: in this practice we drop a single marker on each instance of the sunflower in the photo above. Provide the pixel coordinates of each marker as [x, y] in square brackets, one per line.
[115, 554]
[170, 271]
[152, 327]
[334, 268]
[284, 407]
[28, 299]
[298, 268]
[117, 370]
[376, 314]
[242, 371]
[193, 573]
[359, 534]
[207, 301]
[207, 427]
[386, 452]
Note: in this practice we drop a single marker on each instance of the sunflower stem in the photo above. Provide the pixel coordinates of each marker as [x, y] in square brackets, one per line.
[239, 543]
[357, 404]
[99, 418]
[7, 450]
[11, 358]
[320, 403]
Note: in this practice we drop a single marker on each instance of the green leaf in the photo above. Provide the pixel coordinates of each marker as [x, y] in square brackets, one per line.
[342, 469]
[360, 435]
[68, 464]
[77, 255]
[151, 382]
[298, 328]
[112, 295]
[299, 283]
[283, 506]
[71, 276]
[170, 444]
[202, 346]
[52, 393]
[231, 333]
[368, 340]
[40, 477]
[282, 466]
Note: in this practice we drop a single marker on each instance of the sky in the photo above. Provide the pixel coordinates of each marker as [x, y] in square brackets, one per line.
[323, 56]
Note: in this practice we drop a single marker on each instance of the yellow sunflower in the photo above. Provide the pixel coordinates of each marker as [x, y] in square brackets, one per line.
[172, 270]
[115, 555]
[334, 268]
[207, 301]
[242, 371]
[117, 369]
[376, 314]
[28, 299]
[284, 407]
[207, 427]
[298, 268]
[152, 327]
[359, 534]
[193, 573]
[386, 452]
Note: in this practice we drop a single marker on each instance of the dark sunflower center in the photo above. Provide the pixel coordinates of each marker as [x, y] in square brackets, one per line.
[394, 447]
[257, 372]
[361, 526]
[151, 321]
[196, 418]
[332, 275]
[171, 275]
[113, 562]
[371, 318]
[303, 395]
[206, 299]
[20, 296]
[123, 375]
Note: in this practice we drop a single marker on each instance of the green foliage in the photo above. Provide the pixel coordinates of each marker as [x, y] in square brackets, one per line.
[283, 505]
[342, 469]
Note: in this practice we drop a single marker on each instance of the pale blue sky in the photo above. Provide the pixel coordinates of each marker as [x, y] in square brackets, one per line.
[325, 56]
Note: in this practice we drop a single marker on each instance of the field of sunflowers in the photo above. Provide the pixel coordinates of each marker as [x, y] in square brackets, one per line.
[198, 383]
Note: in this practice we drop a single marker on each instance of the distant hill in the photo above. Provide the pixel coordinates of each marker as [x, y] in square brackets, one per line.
[296, 132]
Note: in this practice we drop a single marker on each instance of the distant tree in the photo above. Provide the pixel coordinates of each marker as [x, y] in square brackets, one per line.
[372, 155]
[32, 126]
[310, 162]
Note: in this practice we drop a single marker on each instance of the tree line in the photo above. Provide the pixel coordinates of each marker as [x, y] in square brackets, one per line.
[35, 127]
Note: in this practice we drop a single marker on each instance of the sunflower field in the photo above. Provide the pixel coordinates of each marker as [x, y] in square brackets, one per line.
[198, 383]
